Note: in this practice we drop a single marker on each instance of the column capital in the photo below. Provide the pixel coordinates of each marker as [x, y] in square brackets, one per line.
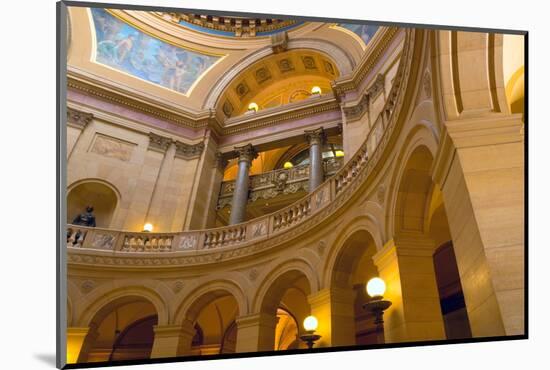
[159, 143]
[78, 119]
[419, 246]
[262, 319]
[165, 331]
[246, 153]
[221, 161]
[188, 151]
[317, 136]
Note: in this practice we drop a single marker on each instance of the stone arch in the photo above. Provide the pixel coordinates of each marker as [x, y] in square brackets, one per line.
[366, 224]
[420, 135]
[102, 299]
[277, 281]
[192, 303]
[344, 62]
[102, 195]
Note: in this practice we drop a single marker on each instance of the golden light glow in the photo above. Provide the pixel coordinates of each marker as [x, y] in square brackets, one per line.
[376, 287]
[339, 153]
[310, 323]
[253, 106]
[316, 90]
[148, 227]
[288, 165]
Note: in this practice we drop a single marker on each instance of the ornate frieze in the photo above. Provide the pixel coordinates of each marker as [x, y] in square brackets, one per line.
[111, 147]
[159, 143]
[356, 111]
[189, 151]
[78, 119]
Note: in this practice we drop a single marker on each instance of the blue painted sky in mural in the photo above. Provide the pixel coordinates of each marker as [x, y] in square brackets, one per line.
[125, 48]
[364, 31]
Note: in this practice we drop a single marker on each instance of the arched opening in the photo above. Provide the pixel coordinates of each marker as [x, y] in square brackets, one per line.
[286, 300]
[96, 194]
[453, 305]
[136, 341]
[423, 277]
[354, 267]
[121, 330]
[213, 317]
[276, 80]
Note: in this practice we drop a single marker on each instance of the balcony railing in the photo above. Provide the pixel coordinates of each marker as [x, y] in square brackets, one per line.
[273, 183]
[328, 196]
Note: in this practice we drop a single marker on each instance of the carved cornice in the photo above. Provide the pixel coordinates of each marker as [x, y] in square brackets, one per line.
[159, 143]
[293, 111]
[78, 119]
[341, 86]
[110, 94]
[357, 111]
[246, 153]
[189, 151]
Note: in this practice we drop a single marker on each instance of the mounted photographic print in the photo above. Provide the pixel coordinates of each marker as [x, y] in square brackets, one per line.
[236, 185]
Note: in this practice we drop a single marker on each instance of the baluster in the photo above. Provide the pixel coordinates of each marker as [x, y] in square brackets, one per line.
[168, 243]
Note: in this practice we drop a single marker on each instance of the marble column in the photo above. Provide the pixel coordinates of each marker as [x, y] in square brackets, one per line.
[240, 194]
[315, 139]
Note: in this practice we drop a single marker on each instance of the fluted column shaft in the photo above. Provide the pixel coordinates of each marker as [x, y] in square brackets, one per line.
[316, 172]
[240, 193]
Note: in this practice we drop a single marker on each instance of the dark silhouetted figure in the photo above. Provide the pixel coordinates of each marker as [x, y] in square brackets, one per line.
[85, 219]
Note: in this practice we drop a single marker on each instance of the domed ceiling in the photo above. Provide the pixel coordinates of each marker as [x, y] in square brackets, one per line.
[231, 26]
[180, 57]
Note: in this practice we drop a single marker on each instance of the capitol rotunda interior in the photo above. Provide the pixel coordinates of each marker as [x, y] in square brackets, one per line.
[233, 183]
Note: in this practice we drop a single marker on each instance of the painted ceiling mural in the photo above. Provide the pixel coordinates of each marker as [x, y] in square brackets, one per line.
[129, 50]
[364, 31]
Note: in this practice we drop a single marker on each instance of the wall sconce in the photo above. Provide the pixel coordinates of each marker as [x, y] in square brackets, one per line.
[316, 90]
[376, 288]
[148, 227]
[310, 325]
[253, 107]
[339, 153]
[288, 165]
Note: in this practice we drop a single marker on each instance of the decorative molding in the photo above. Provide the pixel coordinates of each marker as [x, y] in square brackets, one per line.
[221, 161]
[189, 151]
[78, 119]
[87, 286]
[341, 86]
[317, 136]
[230, 243]
[321, 247]
[427, 84]
[178, 286]
[357, 111]
[111, 147]
[253, 274]
[246, 153]
[279, 42]
[159, 143]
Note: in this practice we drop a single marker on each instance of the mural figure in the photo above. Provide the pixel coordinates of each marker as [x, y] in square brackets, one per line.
[129, 50]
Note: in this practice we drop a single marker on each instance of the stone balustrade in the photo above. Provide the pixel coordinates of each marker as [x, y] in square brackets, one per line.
[333, 191]
[282, 181]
